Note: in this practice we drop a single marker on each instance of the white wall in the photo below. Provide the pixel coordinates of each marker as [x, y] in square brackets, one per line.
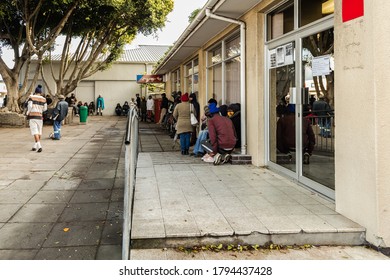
[363, 117]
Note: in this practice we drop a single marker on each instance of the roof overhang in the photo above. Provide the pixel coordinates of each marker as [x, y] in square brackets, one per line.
[202, 29]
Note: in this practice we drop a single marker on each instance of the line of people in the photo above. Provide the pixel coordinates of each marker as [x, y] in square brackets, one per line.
[219, 131]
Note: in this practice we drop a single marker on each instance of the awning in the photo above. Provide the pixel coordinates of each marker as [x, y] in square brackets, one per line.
[202, 29]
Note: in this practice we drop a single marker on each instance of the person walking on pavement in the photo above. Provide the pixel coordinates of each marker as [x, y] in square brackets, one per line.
[36, 105]
[100, 105]
[59, 114]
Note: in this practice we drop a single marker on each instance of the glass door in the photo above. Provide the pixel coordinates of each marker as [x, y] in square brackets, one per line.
[318, 115]
[282, 99]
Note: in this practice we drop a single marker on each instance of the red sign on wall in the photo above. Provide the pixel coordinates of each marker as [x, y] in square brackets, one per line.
[352, 9]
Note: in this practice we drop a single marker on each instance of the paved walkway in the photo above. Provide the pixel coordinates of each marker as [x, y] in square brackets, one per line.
[67, 202]
[182, 200]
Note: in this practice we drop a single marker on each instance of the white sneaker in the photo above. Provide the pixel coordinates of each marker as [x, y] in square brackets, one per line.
[217, 159]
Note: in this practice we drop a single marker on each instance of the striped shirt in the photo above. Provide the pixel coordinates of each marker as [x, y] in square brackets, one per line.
[36, 106]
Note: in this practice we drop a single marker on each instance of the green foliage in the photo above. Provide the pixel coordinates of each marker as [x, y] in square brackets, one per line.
[193, 15]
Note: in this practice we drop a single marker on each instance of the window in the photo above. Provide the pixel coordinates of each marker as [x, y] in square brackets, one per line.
[312, 10]
[176, 80]
[281, 20]
[224, 70]
[191, 73]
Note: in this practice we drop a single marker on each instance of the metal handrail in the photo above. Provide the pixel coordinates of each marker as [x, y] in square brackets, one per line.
[131, 156]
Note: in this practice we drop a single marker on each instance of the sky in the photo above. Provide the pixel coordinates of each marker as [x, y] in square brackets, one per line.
[175, 25]
[177, 22]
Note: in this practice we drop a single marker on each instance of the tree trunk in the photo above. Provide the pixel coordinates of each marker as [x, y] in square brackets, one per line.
[13, 93]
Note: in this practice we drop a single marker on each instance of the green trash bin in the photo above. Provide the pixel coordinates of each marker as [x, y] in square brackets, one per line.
[83, 114]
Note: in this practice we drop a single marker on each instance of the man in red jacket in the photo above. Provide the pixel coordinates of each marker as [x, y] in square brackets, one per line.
[222, 136]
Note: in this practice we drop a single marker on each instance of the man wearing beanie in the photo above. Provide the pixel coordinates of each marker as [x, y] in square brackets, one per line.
[59, 114]
[36, 105]
[222, 136]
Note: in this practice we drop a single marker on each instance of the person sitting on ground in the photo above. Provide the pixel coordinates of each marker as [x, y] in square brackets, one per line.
[125, 108]
[198, 150]
[222, 136]
[91, 108]
[118, 109]
[223, 110]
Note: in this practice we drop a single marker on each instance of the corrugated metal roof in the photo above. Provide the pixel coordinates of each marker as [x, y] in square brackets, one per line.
[142, 53]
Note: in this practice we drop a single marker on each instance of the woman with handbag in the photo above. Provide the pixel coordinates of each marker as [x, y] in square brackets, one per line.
[182, 115]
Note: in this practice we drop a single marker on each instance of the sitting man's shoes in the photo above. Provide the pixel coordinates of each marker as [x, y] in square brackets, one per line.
[227, 158]
[192, 154]
[39, 150]
[306, 158]
[217, 159]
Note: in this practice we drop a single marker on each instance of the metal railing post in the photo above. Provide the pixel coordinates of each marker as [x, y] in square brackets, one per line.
[131, 155]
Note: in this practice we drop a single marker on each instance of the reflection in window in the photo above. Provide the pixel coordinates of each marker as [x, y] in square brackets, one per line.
[312, 10]
[233, 48]
[281, 21]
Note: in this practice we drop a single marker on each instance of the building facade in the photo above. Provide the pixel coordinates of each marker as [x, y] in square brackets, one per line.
[322, 62]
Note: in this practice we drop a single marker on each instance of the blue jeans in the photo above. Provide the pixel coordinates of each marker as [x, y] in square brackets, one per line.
[185, 140]
[57, 129]
[203, 134]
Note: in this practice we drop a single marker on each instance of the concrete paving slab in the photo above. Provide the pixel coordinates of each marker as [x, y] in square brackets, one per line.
[24, 235]
[98, 184]
[8, 210]
[86, 196]
[38, 213]
[84, 212]
[115, 211]
[58, 184]
[52, 197]
[109, 252]
[18, 254]
[67, 253]
[112, 232]
[84, 233]
[18, 197]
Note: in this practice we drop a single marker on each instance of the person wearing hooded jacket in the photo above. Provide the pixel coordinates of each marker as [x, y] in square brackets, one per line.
[233, 112]
[59, 114]
[182, 115]
[222, 135]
